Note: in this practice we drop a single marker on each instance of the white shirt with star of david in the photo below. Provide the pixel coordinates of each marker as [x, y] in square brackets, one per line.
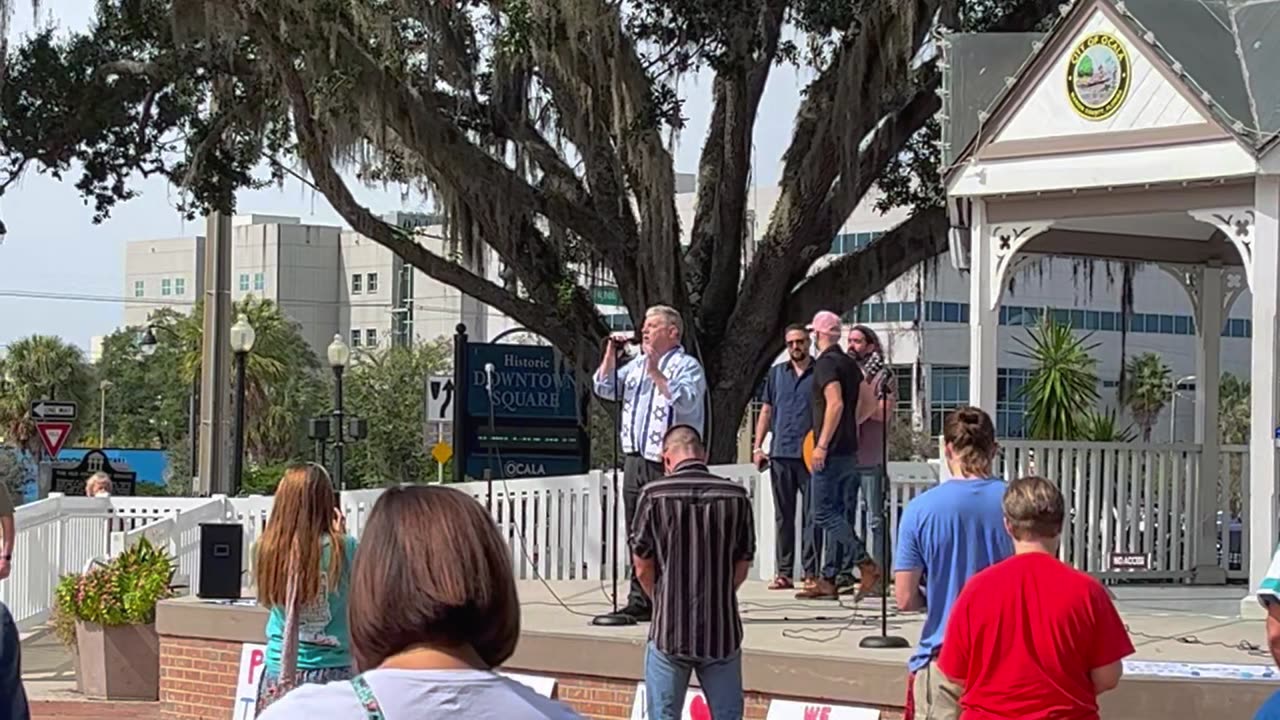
[646, 413]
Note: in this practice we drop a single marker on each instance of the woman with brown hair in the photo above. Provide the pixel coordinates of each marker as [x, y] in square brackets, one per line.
[303, 571]
[433, 611]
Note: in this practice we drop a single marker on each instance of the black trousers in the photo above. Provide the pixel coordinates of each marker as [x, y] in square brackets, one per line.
[790, 477]
[13, 700]
[636, 473]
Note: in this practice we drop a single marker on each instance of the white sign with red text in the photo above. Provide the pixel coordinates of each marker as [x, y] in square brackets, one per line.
[253, 658]
[695, 706]
[792, 710]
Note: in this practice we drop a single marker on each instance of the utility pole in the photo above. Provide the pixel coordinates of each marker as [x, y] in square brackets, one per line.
[215, 351]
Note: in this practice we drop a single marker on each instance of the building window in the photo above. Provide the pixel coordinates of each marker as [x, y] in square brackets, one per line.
[179, 286]
[139, 288]
[166, 287]
[355, 337]
[904, 407]
[619, 322]
[948, 390]
[355, 283]
[244, 282]
[1011, 406]
[371, 283]
[259, 281]
[371, 337]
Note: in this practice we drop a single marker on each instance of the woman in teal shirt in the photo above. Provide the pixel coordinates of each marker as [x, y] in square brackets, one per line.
[304, 582]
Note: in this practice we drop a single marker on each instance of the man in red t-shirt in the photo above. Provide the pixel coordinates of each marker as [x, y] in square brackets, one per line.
[1031, 638]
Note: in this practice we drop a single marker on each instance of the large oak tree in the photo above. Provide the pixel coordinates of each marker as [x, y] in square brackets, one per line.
[541, 127]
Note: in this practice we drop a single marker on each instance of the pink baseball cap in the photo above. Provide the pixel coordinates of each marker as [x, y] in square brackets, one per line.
[827, 323]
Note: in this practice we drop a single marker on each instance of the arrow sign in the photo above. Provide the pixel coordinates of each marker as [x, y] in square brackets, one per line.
[54, 435]
[440, 392]
[53, 410]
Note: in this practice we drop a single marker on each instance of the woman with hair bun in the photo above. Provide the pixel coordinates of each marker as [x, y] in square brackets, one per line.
[947, 535]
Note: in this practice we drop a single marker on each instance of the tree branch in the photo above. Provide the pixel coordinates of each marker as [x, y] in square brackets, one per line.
[853, 278]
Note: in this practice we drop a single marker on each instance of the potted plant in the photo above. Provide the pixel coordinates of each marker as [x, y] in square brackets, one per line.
[113, 608]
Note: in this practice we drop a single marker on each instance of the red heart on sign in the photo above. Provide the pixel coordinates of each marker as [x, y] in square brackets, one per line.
[698, 709]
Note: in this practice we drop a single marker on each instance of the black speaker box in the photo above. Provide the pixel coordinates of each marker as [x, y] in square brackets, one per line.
[221, 561]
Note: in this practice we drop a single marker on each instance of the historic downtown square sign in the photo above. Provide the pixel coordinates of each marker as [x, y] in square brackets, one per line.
[527, 382]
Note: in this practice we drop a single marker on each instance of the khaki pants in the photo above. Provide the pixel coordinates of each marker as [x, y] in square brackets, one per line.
[932, 696]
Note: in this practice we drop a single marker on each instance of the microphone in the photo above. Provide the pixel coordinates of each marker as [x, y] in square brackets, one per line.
[488, 379]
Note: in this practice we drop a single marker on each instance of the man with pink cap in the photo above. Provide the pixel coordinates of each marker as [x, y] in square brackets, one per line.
[837, 381]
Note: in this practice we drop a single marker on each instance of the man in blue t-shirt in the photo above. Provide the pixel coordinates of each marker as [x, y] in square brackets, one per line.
[945, 537]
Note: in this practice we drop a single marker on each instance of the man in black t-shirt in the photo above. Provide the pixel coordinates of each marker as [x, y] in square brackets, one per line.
[837, 381]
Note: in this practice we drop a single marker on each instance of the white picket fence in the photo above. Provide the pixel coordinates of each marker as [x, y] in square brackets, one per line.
[1120, 498]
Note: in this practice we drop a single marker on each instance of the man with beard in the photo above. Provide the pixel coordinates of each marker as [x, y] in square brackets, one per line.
[787, 413]
[876, 401]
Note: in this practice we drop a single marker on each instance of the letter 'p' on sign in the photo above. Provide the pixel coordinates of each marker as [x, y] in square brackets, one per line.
[253, 659]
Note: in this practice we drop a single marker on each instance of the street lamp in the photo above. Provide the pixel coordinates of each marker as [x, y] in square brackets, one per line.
[1173, 405]
[242, 337]
[103, 387]
[147, 344]
[339, 356]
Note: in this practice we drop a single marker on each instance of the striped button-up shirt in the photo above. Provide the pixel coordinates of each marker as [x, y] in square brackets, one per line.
[647, 413]
[696, 527]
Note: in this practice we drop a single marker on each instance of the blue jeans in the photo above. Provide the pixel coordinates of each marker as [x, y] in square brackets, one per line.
[666, 681]
[872, 501]
[835, 492]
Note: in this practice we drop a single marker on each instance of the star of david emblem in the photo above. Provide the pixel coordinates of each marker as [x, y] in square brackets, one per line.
[659, 413]
[655, 437]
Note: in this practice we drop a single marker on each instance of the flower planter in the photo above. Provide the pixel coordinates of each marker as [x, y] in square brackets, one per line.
[118, 663]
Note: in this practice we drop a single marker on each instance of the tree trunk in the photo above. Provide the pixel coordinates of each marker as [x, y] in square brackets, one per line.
[727, 406]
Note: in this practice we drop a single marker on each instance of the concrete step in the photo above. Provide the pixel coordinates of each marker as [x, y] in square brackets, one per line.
[100, 710]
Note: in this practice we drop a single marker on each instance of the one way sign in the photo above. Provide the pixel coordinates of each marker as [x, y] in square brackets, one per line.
[439, 398]
[53, 410]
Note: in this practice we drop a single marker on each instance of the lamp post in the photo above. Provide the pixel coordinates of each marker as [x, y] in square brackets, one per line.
[148, 344]
[339, 356]
[103, 387]
[242, 338]
[1173, 405]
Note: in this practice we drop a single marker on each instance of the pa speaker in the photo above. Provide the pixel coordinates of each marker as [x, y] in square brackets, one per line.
[221, 561]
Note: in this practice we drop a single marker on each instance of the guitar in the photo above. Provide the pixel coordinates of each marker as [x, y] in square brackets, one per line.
[806, 450]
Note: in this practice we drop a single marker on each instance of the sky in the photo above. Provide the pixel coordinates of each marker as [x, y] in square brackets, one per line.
[53, 246]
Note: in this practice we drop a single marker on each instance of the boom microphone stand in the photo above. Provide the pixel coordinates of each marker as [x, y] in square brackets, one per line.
[884, 640]
[615, 618]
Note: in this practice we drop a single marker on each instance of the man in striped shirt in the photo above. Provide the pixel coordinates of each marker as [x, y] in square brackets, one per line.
[692, 543]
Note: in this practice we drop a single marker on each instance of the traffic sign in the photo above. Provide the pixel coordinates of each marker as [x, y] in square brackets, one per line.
[69, 478]
[54, 435]
[440, 398]
[54, 410]
[442, 452]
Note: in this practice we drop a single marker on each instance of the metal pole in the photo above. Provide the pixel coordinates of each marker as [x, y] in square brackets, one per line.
[215, 341]
[460, 385]
[237, 460]
[193, 429]
[338, 455]
[102, 416]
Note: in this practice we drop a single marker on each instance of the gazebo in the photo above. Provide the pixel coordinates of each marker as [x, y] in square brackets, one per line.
[1135, 130]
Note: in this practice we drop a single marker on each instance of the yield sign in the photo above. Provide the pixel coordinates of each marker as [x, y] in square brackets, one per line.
[54, 435]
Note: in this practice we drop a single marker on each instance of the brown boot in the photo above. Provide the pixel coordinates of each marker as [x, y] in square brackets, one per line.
[869, 582]
[822, 589]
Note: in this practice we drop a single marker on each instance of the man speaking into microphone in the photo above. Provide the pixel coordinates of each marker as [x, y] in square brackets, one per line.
[661, 388]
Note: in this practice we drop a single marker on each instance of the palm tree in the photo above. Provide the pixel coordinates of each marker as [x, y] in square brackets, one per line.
[1233, 410]
[1063, 387]
[1146, 390]
[281, 372]
[1104, 427]
[40, 367]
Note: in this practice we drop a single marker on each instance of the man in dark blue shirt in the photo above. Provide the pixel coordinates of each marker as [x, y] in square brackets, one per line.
[787, 413]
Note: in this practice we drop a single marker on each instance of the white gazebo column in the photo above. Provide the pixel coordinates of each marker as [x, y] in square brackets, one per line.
[1255, 231]
[994, 254]
[1262, 270]
[1209, 322]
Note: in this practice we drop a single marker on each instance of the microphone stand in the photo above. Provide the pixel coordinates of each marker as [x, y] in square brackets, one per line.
[884, 641]
[614, 618]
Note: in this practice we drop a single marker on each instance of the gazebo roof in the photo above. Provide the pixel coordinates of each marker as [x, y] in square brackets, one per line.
[1225, 52]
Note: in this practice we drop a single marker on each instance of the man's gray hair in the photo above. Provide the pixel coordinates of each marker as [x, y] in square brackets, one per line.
[669, 314]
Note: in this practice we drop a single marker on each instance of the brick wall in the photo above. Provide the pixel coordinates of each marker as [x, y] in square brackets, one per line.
[198, 682]
[197, 678]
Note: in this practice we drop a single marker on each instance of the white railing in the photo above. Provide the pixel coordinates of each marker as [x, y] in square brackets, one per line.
[1139, 499]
